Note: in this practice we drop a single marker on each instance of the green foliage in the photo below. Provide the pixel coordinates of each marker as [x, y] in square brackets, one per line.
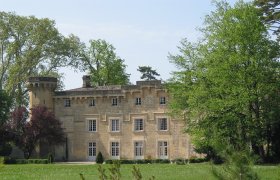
[227, 85]
[50, 158]
[102, 173]
[147, 73]
[139, 161]
[5, 149]
[238, 165]
[160, 171]
[270, 13]
[104, 66]
[115, 173]
[99, 158]
[5, 105]
[136, 173]
[25, 161]
[1, 162]
[31, 47]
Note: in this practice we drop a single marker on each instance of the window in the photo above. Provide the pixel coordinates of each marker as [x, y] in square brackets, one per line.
[92, 149]
[115, 125]
[67, 103]
[162, 150]
[162, 124]
[92, 125]
[138, 150]
[115, 149]
[114, 102]
[92, 102]
[162, 100]
[138, 125]
[138, 101]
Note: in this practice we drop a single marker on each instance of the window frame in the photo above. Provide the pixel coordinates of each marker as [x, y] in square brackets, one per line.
[162, 100]
[138, 101]
[161, 124]
[139, 150]
[115, 149]
[92, 149]
[115, 127]
[67, 102]
[114, 101]
[162, 149]
[136, 125]
[91, 128]
[91, 103]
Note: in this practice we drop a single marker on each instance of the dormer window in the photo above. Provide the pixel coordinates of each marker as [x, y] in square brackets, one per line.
[67, 103]
[138, 101]
[114, 101]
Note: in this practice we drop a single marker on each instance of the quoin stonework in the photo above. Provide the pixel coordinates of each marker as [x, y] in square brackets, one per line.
[121, 122]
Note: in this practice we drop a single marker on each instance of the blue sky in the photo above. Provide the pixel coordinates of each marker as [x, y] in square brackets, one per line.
[143, 32]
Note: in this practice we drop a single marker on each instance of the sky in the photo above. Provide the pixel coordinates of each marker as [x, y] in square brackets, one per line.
[143, 32]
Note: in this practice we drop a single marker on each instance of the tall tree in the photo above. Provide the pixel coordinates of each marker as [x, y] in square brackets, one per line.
[42, 127]
[31, 46]
[270, 13]
[148, 73]
[5, 105]
[229, 82]
[104, 66]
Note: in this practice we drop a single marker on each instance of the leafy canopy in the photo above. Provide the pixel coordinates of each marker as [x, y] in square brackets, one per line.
[270, 13]
[32, 47]
[148, 73]
[42, 127]
[227, 84]
[104, 66]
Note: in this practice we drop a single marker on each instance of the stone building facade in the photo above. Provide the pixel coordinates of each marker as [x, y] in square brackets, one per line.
[122, 122]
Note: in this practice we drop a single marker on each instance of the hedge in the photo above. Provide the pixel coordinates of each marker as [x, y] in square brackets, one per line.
[179, 161]
[8, 160]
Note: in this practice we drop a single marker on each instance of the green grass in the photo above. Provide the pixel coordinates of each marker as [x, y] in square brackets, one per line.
[160, 171]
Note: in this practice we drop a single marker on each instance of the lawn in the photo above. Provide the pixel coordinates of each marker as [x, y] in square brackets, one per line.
[160, 171]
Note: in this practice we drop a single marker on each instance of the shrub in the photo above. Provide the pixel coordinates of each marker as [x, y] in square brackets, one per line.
[109, 161]
[5, 149]
[136, 173]
[161, 161]
[180, 161]
[9, 160]
[50, 158]
[99, 158]
[197, 160]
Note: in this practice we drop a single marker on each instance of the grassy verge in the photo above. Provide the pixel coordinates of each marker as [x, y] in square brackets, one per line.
[160, 171]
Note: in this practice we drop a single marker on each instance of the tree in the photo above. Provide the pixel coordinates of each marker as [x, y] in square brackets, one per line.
[147, 73]
[99, 158]
[104, 66]
[5, 105]
[227, 86]
[270, 13]
[31, 47]
[42, 127]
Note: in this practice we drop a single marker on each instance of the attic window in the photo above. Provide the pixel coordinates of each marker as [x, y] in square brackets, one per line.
[67, 103]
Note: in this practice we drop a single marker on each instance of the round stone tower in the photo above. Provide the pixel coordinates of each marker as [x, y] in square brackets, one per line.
[41, 91]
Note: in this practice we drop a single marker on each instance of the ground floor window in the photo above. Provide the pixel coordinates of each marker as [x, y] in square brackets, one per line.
[91, 149]
[162, 150]
[115, 149]
[138, 150]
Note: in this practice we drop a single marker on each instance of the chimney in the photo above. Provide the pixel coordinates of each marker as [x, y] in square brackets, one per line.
[86, 81]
